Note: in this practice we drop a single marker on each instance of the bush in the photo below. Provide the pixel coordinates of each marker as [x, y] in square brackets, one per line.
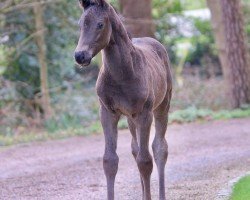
[190, 114]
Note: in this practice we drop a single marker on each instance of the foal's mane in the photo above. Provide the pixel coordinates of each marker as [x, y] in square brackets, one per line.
[122, 18]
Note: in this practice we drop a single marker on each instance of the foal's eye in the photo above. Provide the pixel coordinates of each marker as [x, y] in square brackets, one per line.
[100, 25]
[85, 24]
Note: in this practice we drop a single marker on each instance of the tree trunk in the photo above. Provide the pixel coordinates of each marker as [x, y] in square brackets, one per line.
[238, 77]
[40, 28]
[218, 29]
[138, 17]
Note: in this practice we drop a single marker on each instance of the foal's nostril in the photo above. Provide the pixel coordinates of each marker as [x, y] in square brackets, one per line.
[79, 57]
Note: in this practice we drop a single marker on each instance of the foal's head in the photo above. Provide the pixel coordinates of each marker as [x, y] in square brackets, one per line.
[95, 30]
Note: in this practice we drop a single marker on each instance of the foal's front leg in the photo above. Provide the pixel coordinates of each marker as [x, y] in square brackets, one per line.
[109, 122]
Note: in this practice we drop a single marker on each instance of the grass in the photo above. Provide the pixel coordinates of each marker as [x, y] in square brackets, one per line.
[46, 135]
[93, 128]
[188, 115]
[241, 191]
[192, 114]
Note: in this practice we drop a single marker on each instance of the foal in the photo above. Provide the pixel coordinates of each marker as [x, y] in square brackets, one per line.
[134, 81]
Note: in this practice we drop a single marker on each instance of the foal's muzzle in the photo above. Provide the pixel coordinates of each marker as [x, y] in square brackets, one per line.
[83, 58]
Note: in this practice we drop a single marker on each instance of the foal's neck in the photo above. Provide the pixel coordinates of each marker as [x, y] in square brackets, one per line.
[117, 55]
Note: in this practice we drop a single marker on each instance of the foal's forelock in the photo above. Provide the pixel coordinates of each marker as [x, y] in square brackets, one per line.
[87, 3]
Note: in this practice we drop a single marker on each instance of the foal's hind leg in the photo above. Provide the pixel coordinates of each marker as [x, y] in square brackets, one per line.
[144, 159]
[134, 145]
[160, 147]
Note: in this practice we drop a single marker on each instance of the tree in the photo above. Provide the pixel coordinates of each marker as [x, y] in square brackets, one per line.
[41, 54]
[218, 29]
[238, 76]
[138, 17]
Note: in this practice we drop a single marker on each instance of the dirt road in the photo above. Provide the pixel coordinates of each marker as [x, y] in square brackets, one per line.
[202, 159]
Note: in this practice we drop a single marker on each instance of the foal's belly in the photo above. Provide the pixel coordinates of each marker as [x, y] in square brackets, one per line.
[124, 100]
[123, 104]
[130, 101]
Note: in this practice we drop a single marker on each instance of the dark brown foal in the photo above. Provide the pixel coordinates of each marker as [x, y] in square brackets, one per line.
[134, 81]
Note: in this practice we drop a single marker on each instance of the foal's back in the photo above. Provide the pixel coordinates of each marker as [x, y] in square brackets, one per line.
[153, 47]
[157, 64]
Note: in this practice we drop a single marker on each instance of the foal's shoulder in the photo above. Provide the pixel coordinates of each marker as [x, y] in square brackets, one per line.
[144, 40]
[147, 42]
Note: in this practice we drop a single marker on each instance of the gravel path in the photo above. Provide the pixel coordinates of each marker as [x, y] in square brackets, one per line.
[203, 157]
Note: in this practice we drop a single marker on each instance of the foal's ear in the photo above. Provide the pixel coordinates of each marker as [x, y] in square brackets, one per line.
[85, 3]
[101, 2]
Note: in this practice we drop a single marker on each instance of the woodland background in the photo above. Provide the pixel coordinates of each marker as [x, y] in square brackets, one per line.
[43, 94]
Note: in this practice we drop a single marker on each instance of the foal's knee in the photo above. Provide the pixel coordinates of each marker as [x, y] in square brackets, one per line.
[160, 150]
[145, 164]
[134, 148]
[110, 164]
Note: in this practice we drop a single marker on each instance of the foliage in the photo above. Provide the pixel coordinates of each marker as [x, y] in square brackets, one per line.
[115, 4]
[237, 113]
[241, 191]
[62, 122]
[44, 136]
[166, 31]
[169, 17]
[192, 5]
[21, 64]
[209, 94]
[192, 114]
[123, 124]
[21, 49]
[202, 43]
[162, 8]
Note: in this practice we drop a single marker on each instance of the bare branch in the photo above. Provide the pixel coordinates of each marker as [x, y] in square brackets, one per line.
[24, 5]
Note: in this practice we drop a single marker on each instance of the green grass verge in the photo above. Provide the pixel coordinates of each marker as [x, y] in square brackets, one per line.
[241, 191]
[191, 114]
